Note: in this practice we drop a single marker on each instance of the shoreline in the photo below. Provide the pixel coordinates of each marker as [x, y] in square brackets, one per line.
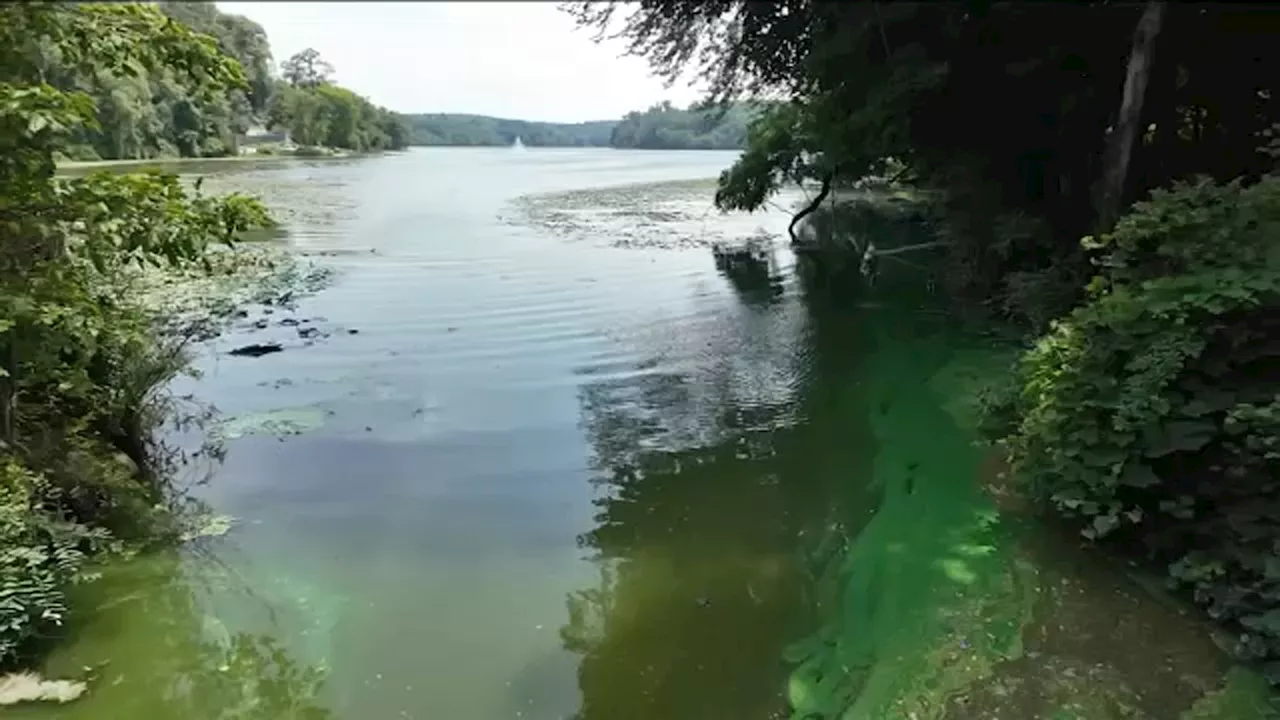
[249, 157]
[74, 165]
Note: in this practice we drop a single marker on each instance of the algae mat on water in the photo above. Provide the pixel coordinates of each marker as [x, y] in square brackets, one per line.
[940, 608]
[929, 596]
[280, 422]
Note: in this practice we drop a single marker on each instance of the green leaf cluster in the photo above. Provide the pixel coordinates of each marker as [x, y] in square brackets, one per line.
[213, 84]
[332, 116]
[82, 360]
[1152, 411]
[664, 127]
[40, 555]
[180, 96]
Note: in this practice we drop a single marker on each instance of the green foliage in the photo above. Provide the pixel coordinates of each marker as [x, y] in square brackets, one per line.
[740, 47]
[81, 359]
[306, 69]
[1149, 410]
[237, 37]
[148, 110]
[1152, 411]
[660, 127]
[663, 127]
[144, 109]
[776, 154]
[332, 116]
[39, 556]
[480, 130]
[990, 104]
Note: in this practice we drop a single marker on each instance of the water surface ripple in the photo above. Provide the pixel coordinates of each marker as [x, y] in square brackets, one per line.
[545, 473]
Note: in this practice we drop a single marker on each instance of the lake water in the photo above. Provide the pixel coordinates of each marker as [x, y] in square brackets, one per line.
[567, 443]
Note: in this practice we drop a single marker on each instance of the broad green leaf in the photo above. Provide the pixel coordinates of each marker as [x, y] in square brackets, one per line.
[1139, 475]
[1267, 623]
[1181, 436]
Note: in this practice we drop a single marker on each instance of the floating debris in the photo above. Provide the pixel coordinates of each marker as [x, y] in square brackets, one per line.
[280, 423]
[210, 526]
[202, 303]
[654, 216]
[30, 687]
[257, 349]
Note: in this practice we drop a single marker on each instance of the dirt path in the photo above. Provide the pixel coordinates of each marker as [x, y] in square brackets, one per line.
[1101, 646]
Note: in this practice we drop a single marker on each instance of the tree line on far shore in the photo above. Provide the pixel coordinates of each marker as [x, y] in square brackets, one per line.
[158, 113]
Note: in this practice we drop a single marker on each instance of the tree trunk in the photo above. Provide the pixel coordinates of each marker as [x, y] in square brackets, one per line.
[811, 207]
[9, 393]
[1120, 142]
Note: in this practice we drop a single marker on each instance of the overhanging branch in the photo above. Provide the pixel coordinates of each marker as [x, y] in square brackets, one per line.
[813, 205]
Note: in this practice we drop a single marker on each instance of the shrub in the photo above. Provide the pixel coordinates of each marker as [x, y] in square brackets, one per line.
[80, 359]
[81, 153]
[39, 556]
[1152, 411]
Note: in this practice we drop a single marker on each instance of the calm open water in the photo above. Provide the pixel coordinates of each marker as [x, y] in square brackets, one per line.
[565, 443]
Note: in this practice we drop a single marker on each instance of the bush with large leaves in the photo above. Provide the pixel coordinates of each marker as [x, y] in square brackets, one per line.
[1152, 411]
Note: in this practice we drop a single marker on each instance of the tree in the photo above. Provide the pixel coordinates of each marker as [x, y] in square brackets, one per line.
[334, 116]
[80, 358]
[317, 112]
[1142, 410]
[237, 36]
[306, 69]
[880, 82]
[1120, 141]
[396, 129]
[666, 127]
[157, 112]
[445, 129]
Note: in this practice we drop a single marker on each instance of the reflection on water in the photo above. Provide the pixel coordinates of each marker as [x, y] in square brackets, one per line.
[710, 511]
[752, 270]
[151, 645]
[519, 419]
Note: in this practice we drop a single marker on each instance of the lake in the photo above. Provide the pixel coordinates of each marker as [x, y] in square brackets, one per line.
[562, 441]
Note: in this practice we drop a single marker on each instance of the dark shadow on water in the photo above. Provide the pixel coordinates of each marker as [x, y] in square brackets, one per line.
[710, 511]
[752, 270]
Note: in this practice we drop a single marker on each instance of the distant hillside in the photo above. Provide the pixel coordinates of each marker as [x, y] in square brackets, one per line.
[665, 127]
[661, 127]
[479, 130]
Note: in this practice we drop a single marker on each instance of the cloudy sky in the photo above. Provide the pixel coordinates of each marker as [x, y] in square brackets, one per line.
[516, 60]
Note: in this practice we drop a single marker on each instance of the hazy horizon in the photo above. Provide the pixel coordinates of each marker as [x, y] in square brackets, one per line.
[511, 60]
